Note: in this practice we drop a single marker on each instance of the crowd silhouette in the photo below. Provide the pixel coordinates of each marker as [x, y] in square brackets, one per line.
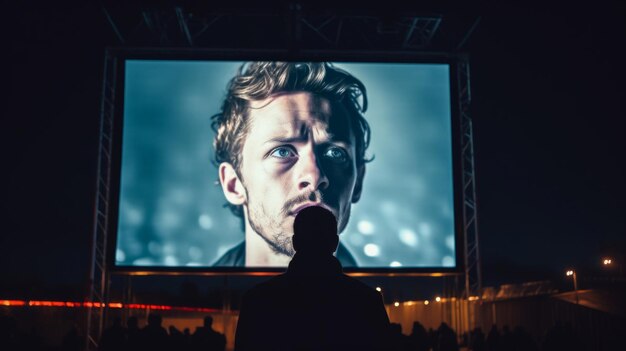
[441, 339]
[155, 337]
[312, 306]
[559, 337]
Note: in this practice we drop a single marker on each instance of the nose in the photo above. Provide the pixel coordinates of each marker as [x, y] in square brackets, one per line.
[311, 174]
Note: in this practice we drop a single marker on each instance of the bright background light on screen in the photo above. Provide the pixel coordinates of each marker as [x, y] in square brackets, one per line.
[171, 210]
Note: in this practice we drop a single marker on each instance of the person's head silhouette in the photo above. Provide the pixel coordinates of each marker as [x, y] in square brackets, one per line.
[315, 231]
[208, 322]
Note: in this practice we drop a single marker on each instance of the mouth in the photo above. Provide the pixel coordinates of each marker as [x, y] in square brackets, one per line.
[297, 209]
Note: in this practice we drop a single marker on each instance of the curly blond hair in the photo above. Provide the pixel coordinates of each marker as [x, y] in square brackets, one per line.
[260, 80]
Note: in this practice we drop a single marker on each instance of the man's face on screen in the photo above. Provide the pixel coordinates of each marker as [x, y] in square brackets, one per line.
[299, 152]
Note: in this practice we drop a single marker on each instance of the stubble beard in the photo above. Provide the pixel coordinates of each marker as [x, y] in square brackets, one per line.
[270, 228]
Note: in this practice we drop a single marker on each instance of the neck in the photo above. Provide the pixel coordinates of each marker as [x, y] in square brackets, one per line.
[314, 264]
[260, 254]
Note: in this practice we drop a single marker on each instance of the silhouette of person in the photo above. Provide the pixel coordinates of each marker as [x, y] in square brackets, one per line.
[477, 340]
[419, 337]
[153, 336]
[447, 338]
[133, 336]
[114, 337]
[493, 339]
[398, 341]
[207, 339]
[524, 341]
[177, 339]
[313, 305]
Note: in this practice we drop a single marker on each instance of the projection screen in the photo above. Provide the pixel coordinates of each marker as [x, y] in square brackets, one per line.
[171, 209]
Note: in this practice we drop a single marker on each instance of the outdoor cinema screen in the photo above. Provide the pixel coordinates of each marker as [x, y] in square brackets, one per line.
[303, 143]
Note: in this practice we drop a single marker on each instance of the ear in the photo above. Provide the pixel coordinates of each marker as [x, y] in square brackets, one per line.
[358, 187]
[231, 184]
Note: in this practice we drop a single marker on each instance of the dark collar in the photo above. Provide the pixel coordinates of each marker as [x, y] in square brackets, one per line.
[322, 266]
[236, 257]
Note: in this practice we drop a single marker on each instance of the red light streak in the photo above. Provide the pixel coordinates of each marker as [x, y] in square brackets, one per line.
[88, 304]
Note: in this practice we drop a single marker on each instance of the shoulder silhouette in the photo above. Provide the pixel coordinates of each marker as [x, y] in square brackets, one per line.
[313, 306]
[207, 339]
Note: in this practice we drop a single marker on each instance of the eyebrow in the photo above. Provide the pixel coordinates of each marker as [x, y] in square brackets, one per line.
[301, 139]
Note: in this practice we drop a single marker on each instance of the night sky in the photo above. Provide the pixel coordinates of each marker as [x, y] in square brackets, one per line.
[548, 108]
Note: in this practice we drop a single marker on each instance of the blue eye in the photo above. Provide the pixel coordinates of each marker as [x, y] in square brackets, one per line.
[282, 152]
[336, 154]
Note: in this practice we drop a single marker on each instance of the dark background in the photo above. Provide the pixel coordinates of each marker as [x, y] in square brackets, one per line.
[548, 109]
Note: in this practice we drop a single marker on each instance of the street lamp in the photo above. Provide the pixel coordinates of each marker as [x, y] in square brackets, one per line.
[611, 264]
[572, 273]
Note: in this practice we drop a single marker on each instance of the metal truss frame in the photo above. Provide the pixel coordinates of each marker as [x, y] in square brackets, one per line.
[473, 274]
[176, 26]
[99, 275]
[409, 32]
